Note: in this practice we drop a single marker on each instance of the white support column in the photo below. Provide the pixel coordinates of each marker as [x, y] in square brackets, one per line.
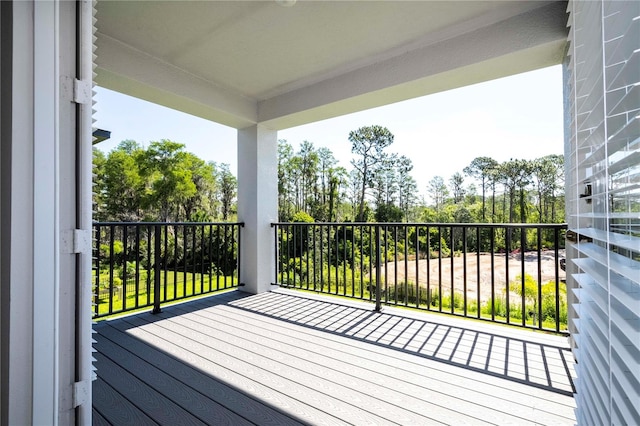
[257, 205]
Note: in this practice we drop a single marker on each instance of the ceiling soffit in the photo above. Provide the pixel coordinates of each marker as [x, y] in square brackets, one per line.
[234, 62]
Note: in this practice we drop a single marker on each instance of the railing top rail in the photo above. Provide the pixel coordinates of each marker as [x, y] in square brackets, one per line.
[485, 225]
[164, 223]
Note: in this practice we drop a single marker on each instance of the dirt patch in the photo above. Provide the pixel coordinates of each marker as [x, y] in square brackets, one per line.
[478, 269]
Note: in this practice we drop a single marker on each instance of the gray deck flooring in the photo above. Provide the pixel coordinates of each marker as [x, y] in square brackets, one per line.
[295, 358]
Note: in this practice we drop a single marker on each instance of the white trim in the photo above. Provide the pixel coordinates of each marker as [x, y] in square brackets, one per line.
[84, 184]
[20, 335]
[45, 206]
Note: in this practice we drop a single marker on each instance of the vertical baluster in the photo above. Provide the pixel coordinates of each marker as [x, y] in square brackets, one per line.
[493, 275]
[539, 295]
[111, 243]
[353, 260]
[165, 251]
[439, 268]
[97, 280]
[193, 259]
[523, 248]
[156, 270]
[125, 276]
[344, 259]
[478, 244]
[428, 231]
[209, 250]
[137, 283]
[378, 307]
[507, 250]
[451, 253]
[464, 268]
[556, 261]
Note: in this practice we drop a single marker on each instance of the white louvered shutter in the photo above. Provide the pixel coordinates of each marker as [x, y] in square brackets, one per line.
[603, 202]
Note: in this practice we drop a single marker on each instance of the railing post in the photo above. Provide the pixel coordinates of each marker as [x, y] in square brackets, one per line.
[156, 270]
[378, 307]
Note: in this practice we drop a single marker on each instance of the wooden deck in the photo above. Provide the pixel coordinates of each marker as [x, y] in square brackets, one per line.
[290, 358]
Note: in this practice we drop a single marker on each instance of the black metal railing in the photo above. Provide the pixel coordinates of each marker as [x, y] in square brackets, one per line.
[508, 273]
[144, 264]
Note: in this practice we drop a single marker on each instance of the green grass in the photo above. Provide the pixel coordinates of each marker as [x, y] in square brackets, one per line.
[178, 286]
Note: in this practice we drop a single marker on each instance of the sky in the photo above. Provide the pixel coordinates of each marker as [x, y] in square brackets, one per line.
[514, 117]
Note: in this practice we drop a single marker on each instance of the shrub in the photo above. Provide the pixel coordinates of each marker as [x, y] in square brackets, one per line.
[549, 302]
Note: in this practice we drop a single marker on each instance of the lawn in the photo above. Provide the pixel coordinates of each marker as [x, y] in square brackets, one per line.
[173, 286]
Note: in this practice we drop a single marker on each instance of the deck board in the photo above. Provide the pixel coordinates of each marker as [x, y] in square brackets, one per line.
[364, 375]
[115, 407]
[289, 358]
[199, 405]
[411, 372]
[310, 390]
[218, 392]
[98, 419]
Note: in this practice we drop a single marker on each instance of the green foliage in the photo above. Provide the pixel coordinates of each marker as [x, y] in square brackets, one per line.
[162, 182]
[303, 217]
[530, 287]
[549, 302]
[388, 213]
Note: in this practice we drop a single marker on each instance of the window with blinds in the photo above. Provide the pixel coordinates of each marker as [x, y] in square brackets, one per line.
[603, 205]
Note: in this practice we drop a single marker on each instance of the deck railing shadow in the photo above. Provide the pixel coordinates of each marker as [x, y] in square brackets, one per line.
[519, 359]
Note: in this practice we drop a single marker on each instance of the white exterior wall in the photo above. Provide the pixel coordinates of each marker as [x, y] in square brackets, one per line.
[603, 208]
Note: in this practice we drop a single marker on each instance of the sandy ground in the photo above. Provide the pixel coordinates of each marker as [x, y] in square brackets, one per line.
[547, 269]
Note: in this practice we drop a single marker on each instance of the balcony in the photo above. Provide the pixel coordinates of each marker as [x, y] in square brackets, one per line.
[302, 357]
[289, 358]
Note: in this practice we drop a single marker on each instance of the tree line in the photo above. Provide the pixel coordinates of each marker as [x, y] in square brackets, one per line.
[379, 186]
[164, 182]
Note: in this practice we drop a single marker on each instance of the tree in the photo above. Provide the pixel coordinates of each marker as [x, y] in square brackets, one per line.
[329, 183]
[457, 188]
[407, 187]
[482, 168]
[228, 184]
[204, 180]
[384, 182]
[547, 173]
[99, 190]
[353, 191]
[285, 188]
[308, 168]
[388, 213]
[165, 166]
[515, 175]
[369, 143]
[123, 184]
[438, 192]
[337, 178]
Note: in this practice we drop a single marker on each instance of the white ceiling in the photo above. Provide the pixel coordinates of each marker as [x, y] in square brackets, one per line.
[242, 62]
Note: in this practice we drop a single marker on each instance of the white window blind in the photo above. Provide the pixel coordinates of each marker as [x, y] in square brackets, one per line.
[603, 203]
